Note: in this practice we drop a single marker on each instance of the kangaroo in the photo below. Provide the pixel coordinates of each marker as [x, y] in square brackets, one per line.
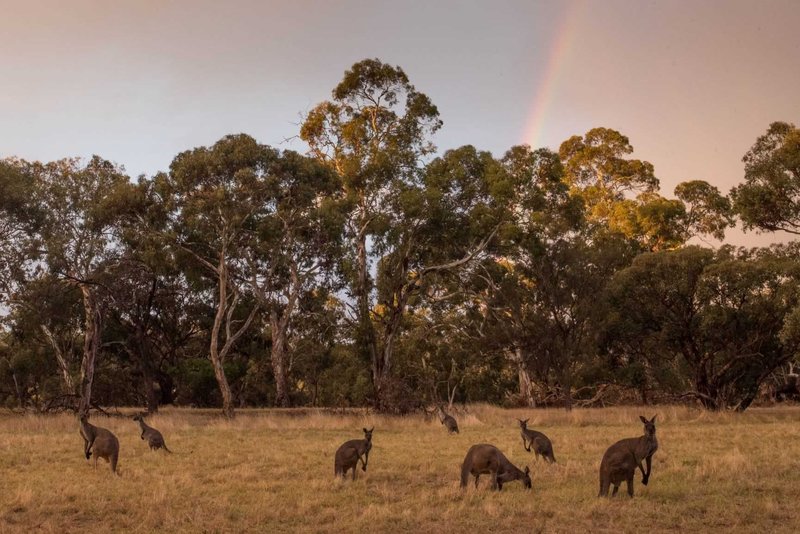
[539, 442]
[153, 436]
[622, 458]
[487, 459]
[106, 444]
[350, 452]
[447, 420]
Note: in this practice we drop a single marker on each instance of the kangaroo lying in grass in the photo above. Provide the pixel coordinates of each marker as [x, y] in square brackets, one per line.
[350, 452]
[105, 444]
[541, 445]
[622, 458]
[153, 436]
[487, 459]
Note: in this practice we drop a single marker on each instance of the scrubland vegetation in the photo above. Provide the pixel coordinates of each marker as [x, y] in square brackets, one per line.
[272, 471]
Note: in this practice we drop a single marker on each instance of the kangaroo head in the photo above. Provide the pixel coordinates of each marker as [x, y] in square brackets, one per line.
[526, 480]
[523, 424]
[649, 426]
[368, 433]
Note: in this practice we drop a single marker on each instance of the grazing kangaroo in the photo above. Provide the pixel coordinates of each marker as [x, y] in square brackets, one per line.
[153, 436]
[487, 459]
[106, 444]
[622, 458]
[447, 420]
[541, 444]
[348, 455]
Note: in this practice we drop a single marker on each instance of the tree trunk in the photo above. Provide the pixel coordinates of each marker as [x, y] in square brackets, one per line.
[525, 383]
[706, 393]
[366, 338]
[165, 387]
[214, 351]
[18, 390]
[278, 359]
[91, 346]
[151, 395]
[69, 384]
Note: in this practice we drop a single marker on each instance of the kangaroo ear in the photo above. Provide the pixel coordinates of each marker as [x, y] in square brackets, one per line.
[371, 429]
[364, 429]
[653, 420]
[643, 419]
[526, 420]
[527, 470]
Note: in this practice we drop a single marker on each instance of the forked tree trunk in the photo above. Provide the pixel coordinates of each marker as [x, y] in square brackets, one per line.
[214, 352]
[216, 359]
[69, 384]
[224, 317]
[91, 346]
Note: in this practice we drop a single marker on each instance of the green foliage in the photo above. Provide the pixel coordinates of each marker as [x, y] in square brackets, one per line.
[375, 270]
[721, 314]
[769, 198]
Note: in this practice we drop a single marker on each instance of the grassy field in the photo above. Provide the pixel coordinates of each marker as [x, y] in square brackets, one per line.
[272, 471]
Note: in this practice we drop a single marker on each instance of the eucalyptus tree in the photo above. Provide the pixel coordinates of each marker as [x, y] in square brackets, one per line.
[621, 195]
[375, 133]
[296, 244]
[769, 198]
[597, 170]
[212, 198]
[726, 316]
[76, 238]
[46, 316]
[18, 219]
[148, 319]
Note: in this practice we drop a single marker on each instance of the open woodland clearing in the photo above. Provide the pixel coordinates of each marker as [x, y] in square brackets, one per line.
[272, 471]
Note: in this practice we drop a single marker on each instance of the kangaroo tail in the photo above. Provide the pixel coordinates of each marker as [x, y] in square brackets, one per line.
[166, 449]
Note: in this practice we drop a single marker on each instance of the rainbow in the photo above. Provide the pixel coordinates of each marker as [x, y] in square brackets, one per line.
[558, 53]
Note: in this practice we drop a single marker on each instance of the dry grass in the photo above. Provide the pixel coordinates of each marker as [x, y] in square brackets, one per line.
[271, 471]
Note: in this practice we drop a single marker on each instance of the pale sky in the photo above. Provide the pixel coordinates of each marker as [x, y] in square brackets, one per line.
[691, 83]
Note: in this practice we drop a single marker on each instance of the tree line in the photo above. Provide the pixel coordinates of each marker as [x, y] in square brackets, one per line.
[373, 270]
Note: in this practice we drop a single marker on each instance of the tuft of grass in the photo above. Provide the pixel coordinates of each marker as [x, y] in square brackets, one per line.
[272, 471]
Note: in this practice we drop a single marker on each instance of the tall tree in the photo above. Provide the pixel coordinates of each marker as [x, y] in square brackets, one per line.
[77, 238]
[296, 245]
[375, 133]
[597, 170]
[769, 198]
[213, 196]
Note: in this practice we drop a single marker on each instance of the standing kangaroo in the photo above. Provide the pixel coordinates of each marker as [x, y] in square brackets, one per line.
[487, 459]
[350, 452]
[106, 444]
[153, 436]
[447, 420]
[622, 458]
[541, 444]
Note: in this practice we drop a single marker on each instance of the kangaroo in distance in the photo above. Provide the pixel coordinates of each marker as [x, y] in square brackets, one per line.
[447, 420]
[106, 444]
[350, 452]
[487, 459]
[541, 445]
[153, 436]
[622, 458]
